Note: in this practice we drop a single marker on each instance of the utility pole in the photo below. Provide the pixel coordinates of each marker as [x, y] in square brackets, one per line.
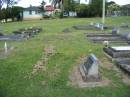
[103, 12]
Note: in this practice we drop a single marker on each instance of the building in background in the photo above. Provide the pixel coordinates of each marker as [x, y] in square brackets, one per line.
[32, 12]
[49, 9]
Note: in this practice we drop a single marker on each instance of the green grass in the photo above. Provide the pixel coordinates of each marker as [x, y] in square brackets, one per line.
[15, 69]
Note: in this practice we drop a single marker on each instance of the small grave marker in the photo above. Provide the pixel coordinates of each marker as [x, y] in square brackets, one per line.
[90, 69]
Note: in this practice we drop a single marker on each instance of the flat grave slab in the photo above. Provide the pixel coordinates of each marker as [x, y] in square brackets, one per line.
[21, 34]
[121, 48]
[124, 64]
[117, 52]
[112, 38]
[96, 26]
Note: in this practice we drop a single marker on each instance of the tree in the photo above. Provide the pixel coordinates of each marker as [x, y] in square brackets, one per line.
[96, 7]
[9, 4]
[112, 7]
[82, 10]
[42, 6]
[1, 4]
[70, 5]
[16, 13]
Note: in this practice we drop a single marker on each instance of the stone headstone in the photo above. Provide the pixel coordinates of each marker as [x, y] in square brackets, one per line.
[127, 36]
[115, 31]
[90, 69]
[102, 27]
[97, 25]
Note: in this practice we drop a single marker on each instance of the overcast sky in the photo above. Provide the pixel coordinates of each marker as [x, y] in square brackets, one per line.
[26, 3]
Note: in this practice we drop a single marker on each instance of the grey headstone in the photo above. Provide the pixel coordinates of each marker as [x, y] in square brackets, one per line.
[115, 31]
[90, 69]
[127, 36]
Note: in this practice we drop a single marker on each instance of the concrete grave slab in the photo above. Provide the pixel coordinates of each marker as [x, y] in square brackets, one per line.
[117, 52]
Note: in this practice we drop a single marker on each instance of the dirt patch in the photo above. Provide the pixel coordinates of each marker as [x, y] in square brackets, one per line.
[40, 66]
[126, 80]
[75, 79]
[106, 64]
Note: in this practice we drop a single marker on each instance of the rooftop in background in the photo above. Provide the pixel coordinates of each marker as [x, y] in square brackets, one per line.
[49, 8]
[32, 8]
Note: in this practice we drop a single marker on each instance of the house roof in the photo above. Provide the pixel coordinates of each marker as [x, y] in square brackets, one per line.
[49, 8]
[32, 8]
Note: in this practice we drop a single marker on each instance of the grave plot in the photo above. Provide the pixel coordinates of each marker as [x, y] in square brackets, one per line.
[89, 70]
[117, 52]
[124, 25]
[88, 74]
[11, 37]
[92, 26]
[21, 34]
[29, 31]
[124, 64]
[104, 34]
[111, 38]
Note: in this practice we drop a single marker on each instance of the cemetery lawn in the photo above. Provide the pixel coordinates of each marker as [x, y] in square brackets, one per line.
[16, 79]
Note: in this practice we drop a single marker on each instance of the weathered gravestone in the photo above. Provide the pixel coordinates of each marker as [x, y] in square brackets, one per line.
[90, 69]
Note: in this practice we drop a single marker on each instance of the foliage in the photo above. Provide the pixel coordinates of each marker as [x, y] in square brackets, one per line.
[82, 10]
[42, 6]
[11, 12]
[69, 5]
[9, 4]
[96, 7]
[16, 12]
[112, 7]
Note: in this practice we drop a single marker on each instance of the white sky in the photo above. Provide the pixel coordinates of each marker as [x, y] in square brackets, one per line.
[26, 3]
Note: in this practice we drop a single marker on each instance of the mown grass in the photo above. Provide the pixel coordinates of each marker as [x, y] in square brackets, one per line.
[70, 47]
